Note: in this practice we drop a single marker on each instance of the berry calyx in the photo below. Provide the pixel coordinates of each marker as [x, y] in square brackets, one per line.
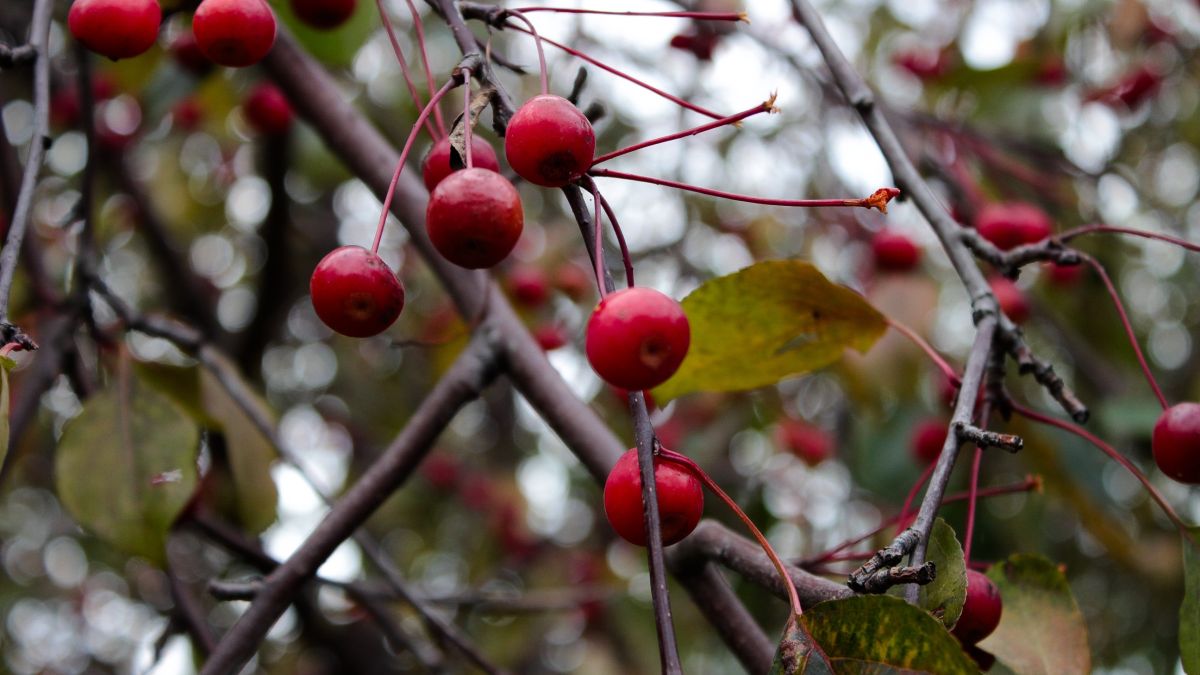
[437, 163]
[1011, 299]
[355, 293]
[1012, 224]
[474, 218]
[323, 14]
[637, 337]
[117, 29]
[268, 110]
[927, 441]
[895, 252]
[1176, 442]
[235, 33]
[680, 500]
[549, 142]
[981, 611]
[811, 444]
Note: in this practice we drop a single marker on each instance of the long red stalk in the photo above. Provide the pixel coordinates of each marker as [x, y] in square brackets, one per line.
[1133, 341]
[766, 106]
[877, 200]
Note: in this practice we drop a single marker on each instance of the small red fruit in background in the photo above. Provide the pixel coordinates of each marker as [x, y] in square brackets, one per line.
[437, 163]
[680, 500]
[549, 141]
[529, 286]
[187, 114]
[894, 251]
[474, 218]
[235, 33]
[1176, 442]
[1064, 275]
[186, 52]
[441, 471]
[927, 441]
[550, 336]
[1012, 224]
[1011, 299]
[981, 612]
[924, 64]
[637, 337]
[355, 293]
[1135, 88]
[268, 110]
[811, 444]
[323, 14]
[573, 281]
[117, 29]
[700, 43]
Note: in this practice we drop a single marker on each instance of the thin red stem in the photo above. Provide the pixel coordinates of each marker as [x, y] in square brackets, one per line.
[10, 348]
[467, 159]
[699, 16]
[877, 200]
[419, 26]
[626, 259]
[1116, 456]
[412, 135]
[699, 473]
[972, 495]
[1090, 229]
[408, 81]
[603, 66]
[1137, 349]
[598, 243]
[912, 495]
[919, 341]
[537, 39]
[765, 106]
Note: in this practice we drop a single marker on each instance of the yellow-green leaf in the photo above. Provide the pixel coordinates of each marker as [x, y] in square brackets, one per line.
[945, 595]
[766, 322]
[799, 653]
[6, 364]
[1041, 630]
[1189, 611]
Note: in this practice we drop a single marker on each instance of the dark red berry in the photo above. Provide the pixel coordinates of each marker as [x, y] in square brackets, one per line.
[924, 64]
[1011, 299]
[680, 500]
[549, 142]
[894, 251]
[441, 471]
[550, 336]
[187, 114]
[1135, 88]
[235, 33]
[637, 337]
[529, 286]
[437, 163]
[268, 110]
[355, 293]
[811, 444]
[1176, 442]
[981, 612]
[117, 29]
[474, 218]
[927, 441]
[186, 52]
[323, 14]
[700, 44]
[1011, 224]
[1064, 275]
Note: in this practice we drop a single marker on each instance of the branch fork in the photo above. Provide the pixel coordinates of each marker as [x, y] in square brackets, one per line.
[883, 570]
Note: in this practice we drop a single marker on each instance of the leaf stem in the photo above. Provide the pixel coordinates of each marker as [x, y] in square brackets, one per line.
[919, 341]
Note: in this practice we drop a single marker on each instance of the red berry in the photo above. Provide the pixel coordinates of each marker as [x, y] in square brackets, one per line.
[1012, 300]
[894, 251]
[117, 29]
[474, 218]
[186, 52]
[928, 438]
[924, 64]
[637, 337]
[981, 612]
[811, 444]
[441, 471]
[323, 14]
[1176, 442]
[1011, 224]
[355, 293]
[529, 286]
[550, 337]
[437, 163]
[680, 500]
[573, 281]
[187, 113]
[701, 44]
[1064, 275]
[549, 142]
[1134, 88]
[234, 33]
[268, 110]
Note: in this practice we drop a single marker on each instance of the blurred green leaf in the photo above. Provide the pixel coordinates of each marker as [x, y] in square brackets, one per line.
[126, 466]
[799, 653]
[944, 597]
[6, 364]
[179, 383]
[1041, 630]
[766, 322]
[1189, 611]
[336, 47]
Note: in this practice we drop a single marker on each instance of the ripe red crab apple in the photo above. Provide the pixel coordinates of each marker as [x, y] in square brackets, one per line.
[1011, 224]
[1176, 442]
[637, 337]
[323, 14]
[981, 612]
[474, 218]
[894, 251]
[549, 142]
[680, 500]
[268, 111]
[234, 33]
[355, 293]
[117, 29]
[437, 163]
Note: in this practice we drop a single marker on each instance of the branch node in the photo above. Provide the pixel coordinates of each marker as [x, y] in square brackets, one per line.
[988, 439]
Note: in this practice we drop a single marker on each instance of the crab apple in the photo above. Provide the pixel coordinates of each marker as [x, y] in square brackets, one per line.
[268, 111]
[323, 14]
[529, 286]
[1064, 275]
[927, 441]
[437, 163]
[981, 611]
[637, 337]
[1011, 224]
[186, 52]
[549, 142]
[680, 499]
[924, 64]
[187, 113]
[117, 29]
[474, 218]
[700, 44]
[811, 444]
[1011, 299]
[550, 337]
[235, 33]
[355, 293]
[1176, 442]
[894, 251]
[573, 281]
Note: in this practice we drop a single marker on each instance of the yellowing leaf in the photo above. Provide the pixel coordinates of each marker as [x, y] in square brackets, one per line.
[6, 364]
[944, 597]
[1041, 630]
[766, 322]
[1189, 610]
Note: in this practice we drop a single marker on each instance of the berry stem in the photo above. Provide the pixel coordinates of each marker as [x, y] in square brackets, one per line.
[912, 495]
[972, 498]
[598, 243]
[767, 106]
[877, 200]
[1137, 349]
[919, 341]
[467, 158]
[537, 40]
[625, 257]
[699, 16]
[1116, 456]
[419, 26]
[408, 81]
[1090, 229]
[412, 135]
[699, 473]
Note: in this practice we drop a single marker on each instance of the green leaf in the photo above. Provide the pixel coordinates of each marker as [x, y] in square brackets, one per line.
[945, 595]
[179, 383]
[6, 364]
[126, 466]
[799, 653]
[769, 321]
[882, 634]
[1041, 630]
[1189, 611]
